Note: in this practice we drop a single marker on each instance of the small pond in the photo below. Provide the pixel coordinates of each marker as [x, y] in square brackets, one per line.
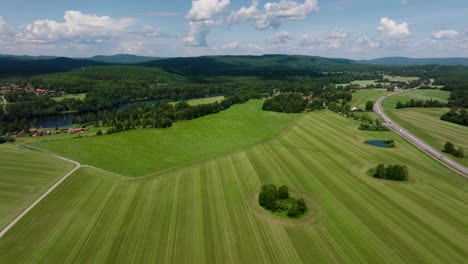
[377, 143]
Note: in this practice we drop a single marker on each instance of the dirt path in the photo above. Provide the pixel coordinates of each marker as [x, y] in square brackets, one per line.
[19, 217]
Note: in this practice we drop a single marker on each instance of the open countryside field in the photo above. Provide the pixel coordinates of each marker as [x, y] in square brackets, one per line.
[360, 97]
[419, 94]
[24, 176]
[142, 151]
[207, 100]
[205, 212]
[425, 123]
[400, 78]
[80, 96]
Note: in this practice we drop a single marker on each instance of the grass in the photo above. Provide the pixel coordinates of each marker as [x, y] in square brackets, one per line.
[80, 96]
[202, 212]
[400, 78]
[425, 123]
[142, 151]
[24, 176]
[420, 94]
[207, 100]
[360, 97]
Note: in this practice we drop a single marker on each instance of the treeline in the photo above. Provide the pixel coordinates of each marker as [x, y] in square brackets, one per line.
[392, 172]
[372, 127]
[421, 103]
[457, 116]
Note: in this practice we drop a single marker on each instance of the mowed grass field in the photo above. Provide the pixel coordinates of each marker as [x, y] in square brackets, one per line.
[207, 100]
[419, 94]
[142, 151]
[400, 78]
[24, 176]
[71, 96]
[206, 212]
[360, 97]
[425, 123]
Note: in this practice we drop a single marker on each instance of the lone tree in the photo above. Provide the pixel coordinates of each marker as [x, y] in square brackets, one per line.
[283, 192]
[449, 147]
[369, 105]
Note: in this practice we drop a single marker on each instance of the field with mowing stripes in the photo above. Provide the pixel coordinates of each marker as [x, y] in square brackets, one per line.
[142, 151]
[24, 176]
[205, 212]
[425, 123]
[420, 94]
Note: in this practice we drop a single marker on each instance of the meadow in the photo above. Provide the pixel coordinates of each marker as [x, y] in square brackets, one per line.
[142, 151]
[80, 96]
[207, 100]
[206, 211]
[400, 78]
[24, 176]
[425, 123]
[360, 97]
[420, 94]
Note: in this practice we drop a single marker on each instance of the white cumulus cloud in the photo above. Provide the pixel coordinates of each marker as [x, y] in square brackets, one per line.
[201, 19]
[392, 29]
[446, 34]
[77, 27]
[274, 13]
[280, 37]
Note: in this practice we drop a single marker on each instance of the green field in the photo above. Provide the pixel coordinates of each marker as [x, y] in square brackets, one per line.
[206, 212]
[420, 94]
[400, 78]
[360, 97]
[425, 123]
[24, 176]
[142, 151]
[207, 100]
[80, 96]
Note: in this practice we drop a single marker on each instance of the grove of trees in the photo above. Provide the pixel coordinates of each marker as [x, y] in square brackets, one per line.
[450, 148]
[275, 200]
[392, 172]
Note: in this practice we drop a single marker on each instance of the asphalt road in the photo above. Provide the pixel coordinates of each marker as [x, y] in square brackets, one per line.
[439, 156]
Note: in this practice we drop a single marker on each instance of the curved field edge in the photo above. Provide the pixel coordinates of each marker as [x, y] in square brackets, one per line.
[202, 213]
[24, 176]
[141, 152]
[425, 123]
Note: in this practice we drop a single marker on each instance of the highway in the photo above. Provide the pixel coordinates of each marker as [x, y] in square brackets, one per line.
[439, 156]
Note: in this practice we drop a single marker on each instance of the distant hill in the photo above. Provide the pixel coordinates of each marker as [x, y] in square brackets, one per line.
[26, 57]
[15, 67]
[123, 59]
[404, 61]
[246, 65]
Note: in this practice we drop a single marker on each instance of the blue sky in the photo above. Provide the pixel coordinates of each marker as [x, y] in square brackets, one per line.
[336, 28]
